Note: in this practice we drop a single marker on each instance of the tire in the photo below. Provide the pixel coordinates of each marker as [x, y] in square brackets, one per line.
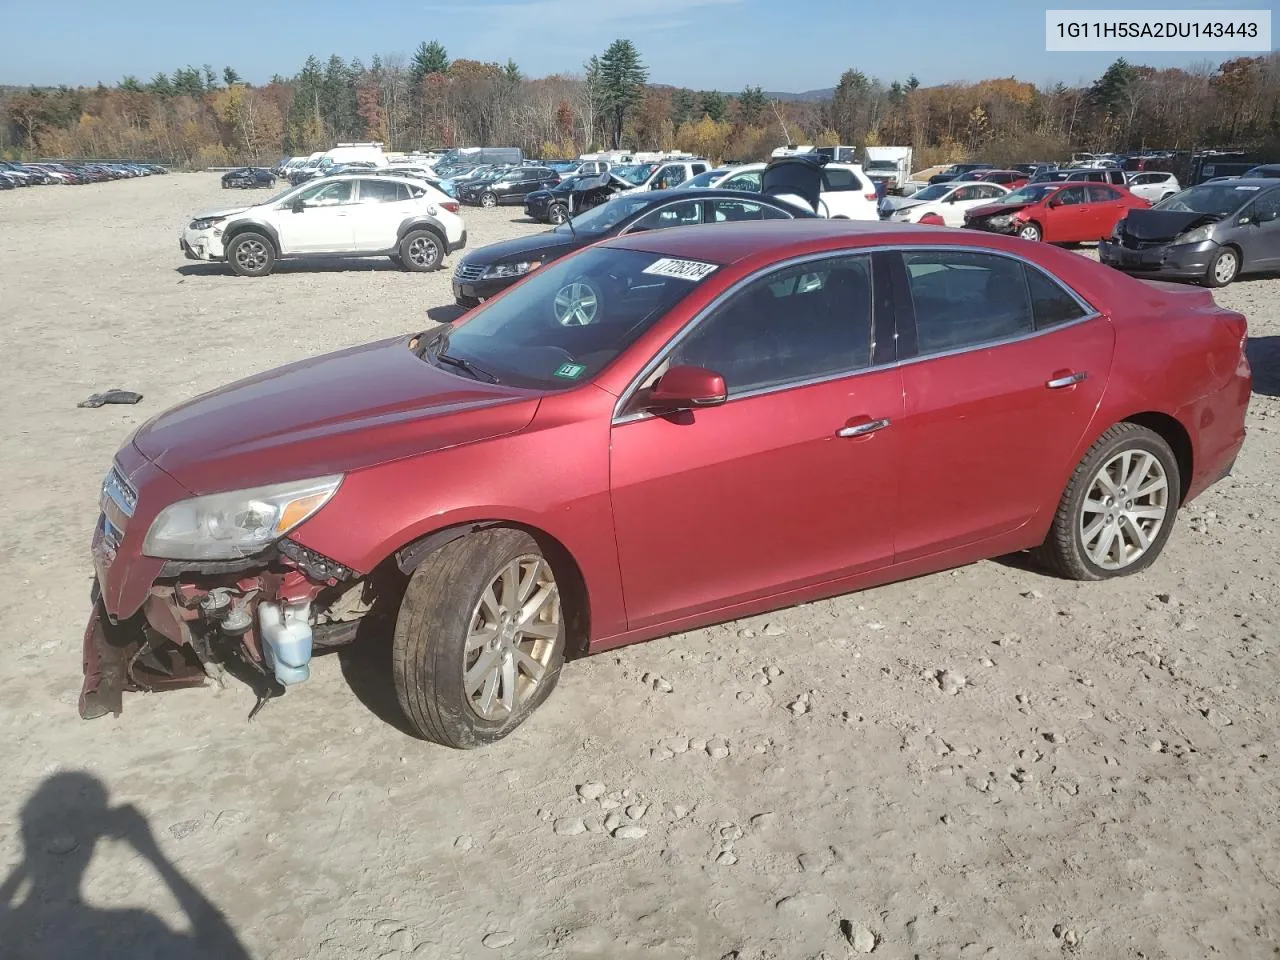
[558, 214]
[1223, 268]
[420, 251]
[1032, 232]
[444, 603]
[488, 201]
[251, 254]
[1072, 549]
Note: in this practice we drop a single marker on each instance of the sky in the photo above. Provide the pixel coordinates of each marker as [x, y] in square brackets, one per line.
[704, 44]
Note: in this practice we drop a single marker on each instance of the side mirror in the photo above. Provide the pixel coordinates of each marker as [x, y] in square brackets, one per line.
[298, 206]
[686, 388]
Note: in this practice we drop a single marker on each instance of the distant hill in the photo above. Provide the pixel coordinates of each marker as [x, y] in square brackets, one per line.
[809, 95]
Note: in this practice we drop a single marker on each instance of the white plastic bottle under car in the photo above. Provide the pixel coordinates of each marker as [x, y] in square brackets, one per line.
[286, 640]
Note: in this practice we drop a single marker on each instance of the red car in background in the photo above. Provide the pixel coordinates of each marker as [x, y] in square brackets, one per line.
[1056, 212]
[1012, 179]
[659, 432]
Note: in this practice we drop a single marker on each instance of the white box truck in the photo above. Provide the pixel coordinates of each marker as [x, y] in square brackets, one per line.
[891, 165]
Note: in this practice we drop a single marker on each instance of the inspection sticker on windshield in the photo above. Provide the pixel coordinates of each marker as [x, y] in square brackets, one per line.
[694, 270]
[570, 371]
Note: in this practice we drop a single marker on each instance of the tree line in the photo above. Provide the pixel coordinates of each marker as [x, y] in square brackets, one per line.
[200, 116]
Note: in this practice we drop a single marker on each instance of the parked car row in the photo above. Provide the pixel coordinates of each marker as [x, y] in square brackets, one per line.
[248, 178]
[46, 173]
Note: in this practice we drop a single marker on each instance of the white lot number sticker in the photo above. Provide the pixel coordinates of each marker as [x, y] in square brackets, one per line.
[694, 270]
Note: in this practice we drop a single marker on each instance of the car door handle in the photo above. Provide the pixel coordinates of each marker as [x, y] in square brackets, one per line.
[1067, 380]
[862, 429]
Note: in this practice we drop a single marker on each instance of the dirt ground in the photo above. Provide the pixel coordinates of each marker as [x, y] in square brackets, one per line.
[987, 762]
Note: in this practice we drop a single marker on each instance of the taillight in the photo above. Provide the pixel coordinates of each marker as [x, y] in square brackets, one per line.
[451, 205]
[870, 196]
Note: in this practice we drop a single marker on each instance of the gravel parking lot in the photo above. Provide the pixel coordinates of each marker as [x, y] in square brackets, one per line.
[982, 763]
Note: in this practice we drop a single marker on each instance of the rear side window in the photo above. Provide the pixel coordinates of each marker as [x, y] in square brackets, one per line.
[835, 179]
[1101, 194]
[965, 299]
[682, 214]
[724, 211]
[1050, 303]
[381, 191]
[743, 181]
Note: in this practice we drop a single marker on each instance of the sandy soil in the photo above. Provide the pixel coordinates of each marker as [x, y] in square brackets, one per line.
[1105, 782]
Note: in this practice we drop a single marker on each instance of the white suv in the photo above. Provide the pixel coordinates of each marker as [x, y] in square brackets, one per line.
[847, 192]
[405, 219]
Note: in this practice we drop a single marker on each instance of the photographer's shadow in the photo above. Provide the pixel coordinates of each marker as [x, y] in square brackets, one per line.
[42, 912]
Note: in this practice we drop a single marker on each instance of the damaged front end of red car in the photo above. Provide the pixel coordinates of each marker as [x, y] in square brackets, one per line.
[162, 624]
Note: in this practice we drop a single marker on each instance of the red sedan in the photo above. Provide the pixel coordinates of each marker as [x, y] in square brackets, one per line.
[662, 431]
[1056, 212]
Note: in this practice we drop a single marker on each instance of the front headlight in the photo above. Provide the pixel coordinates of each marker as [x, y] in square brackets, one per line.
[206, 223]
[239, 523]
[1198, 235]
[1001, 221]
[500, 271]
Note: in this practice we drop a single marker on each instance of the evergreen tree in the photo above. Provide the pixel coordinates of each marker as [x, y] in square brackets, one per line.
[160, 85]
[622, 79]
[714, 105]
[230, 77]
[427, 59]
[131, 84]
[752, 104]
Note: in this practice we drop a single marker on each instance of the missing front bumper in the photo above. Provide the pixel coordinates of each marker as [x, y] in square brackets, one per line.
[129, 656]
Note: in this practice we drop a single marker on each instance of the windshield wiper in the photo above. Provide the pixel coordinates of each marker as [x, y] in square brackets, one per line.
[464, 364]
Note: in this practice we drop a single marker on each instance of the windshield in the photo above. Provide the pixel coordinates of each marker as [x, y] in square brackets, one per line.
[933, 192]
[602, 218]
[636, 174]
[1270, 172]
[881, 165]
[1216, 198]
[563, 324]
[1031, 193]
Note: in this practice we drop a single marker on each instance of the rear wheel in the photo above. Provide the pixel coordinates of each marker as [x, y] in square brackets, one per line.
[488, 200]
[1118, 509]
[421, 250]
[557, 214]
[1031, 231]
[1223, 268]
[480, 639]
[251, 255]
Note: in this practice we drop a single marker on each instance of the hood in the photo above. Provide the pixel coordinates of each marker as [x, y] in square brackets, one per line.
[904, 203]
[993, 209]
[328, 414]
[1147, 224]
[549, 244]
[226, 212]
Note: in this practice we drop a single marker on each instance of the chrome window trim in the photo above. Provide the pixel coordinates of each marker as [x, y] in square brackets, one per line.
[1091, 313]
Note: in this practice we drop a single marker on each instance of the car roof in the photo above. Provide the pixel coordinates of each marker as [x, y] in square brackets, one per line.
[711, 193]
[728, 243]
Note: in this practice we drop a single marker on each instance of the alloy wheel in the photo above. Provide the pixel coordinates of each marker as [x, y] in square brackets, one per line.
[423, 251]
[1125, 507]
[1029, 232]
[488, 200]
[251, 255]
[512, 637]
[576, 305]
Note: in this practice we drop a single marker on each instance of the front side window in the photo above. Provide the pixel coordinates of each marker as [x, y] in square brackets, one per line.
[327, 194]
[1072, 196]
[800, 323]
[682, 214]
[566, 322]
[965, 299]
[669, 177]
